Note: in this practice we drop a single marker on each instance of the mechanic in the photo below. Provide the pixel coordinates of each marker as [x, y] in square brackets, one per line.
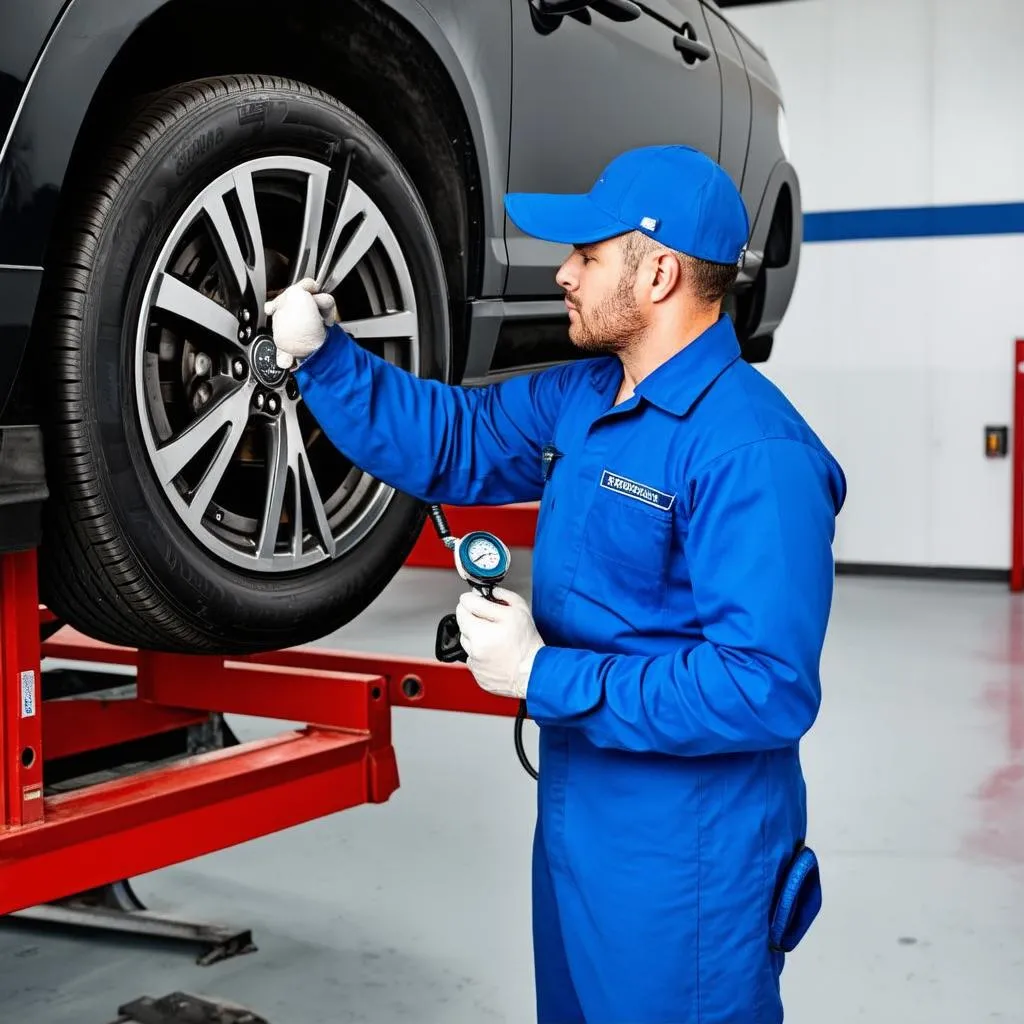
[682, 585]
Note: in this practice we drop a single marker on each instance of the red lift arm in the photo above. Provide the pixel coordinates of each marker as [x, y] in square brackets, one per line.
[54, 846]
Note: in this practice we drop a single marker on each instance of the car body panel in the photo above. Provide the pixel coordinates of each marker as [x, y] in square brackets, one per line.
[39, 143]
[471, 42]
[471, 39]
[778, 282]
[765, 148]
[583, 94]
[25, 32]
[768, 172]
[19, 289]
[20, 44]
[562, 104]
[735, 97]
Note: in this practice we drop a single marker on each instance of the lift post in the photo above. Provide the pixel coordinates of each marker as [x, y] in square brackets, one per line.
[21, 795]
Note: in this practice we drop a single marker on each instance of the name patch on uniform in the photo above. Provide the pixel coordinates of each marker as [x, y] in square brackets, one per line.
[640, 492]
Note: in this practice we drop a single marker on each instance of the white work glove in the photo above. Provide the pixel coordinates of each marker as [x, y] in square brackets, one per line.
[301, 316]
[501, 641]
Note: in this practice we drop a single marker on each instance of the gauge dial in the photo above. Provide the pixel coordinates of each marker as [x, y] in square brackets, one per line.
[484, 553]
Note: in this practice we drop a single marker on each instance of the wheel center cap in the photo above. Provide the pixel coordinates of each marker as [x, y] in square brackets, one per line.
[263, 356]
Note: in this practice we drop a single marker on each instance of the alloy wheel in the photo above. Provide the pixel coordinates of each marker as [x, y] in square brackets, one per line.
[239, 458]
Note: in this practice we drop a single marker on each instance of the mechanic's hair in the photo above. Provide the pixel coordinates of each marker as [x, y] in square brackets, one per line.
[710, 282]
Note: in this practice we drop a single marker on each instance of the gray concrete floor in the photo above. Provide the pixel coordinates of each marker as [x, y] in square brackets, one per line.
[418, 910]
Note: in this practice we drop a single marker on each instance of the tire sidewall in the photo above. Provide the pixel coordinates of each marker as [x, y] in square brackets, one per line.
[204, 142]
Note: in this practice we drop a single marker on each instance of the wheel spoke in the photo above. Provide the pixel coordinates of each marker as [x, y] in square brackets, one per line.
[358, 246]
[313, 213]
[250, 214]
[323, 527]
[181, 299]
[211, 479]
[351, 206]
[278, 461]
[217, 211]
[388, 325]
[295, 447]
[171, 458]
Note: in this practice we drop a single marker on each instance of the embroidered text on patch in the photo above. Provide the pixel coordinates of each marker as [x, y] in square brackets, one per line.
[641, 492]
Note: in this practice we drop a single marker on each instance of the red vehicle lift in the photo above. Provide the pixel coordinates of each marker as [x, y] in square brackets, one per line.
[68, 848]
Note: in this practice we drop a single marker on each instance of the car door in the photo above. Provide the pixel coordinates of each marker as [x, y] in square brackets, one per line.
[587, 86]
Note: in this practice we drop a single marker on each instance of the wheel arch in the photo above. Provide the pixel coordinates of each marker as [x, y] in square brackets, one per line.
[777, 233]
[421, 99]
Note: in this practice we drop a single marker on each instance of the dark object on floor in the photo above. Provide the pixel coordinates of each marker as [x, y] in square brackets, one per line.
[116, 908]
[182, 1008]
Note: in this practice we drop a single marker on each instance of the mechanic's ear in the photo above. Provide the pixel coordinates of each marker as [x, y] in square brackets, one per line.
[667, 276]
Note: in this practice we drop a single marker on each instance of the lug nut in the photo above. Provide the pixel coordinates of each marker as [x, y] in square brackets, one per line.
[238, 369]
[291, 388]
[246, 315]
[204, 364]
[203, 394]
[273, 404]
[260, 400]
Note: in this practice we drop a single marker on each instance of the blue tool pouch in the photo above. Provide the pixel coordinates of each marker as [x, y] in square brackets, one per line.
[797, 903]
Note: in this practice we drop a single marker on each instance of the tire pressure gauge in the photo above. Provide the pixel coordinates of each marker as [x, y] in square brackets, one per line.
[483, 561]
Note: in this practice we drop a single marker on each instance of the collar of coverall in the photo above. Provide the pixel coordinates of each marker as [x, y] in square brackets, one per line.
[679, 382]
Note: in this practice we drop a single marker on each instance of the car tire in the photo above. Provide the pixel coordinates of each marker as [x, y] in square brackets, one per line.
[124, 557]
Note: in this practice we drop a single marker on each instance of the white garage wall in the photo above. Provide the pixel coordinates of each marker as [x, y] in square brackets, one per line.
[900, 350]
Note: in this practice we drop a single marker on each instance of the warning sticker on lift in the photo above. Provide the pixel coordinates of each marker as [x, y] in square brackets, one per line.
[28, 694]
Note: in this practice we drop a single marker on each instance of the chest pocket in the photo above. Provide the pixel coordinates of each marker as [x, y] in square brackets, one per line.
[627, 546]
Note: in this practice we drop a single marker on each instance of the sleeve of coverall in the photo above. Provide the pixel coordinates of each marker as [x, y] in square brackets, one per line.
[443, 444]
[760, 558]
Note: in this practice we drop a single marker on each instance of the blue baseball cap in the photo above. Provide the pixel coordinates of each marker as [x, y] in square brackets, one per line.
[674, 194]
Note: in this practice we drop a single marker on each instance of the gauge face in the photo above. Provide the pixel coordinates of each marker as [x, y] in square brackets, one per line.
[484, 553]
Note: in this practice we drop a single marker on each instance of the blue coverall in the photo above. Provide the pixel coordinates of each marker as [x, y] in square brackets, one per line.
[682, 583]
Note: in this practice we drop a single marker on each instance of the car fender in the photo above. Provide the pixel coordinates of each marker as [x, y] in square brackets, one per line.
[478, 60]
[779, 279]
[88, 37]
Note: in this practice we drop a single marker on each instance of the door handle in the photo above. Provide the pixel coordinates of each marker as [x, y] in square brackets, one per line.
[687, 43]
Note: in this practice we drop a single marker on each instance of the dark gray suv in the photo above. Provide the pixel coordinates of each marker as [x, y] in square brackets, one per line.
[169, 164]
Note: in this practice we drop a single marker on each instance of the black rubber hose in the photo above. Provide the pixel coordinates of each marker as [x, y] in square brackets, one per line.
[520, 750]
[437, 517]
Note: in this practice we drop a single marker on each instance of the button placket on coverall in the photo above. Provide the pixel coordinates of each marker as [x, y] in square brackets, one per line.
[682, 584]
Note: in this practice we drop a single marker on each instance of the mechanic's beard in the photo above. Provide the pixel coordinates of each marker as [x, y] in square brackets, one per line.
[611, 327]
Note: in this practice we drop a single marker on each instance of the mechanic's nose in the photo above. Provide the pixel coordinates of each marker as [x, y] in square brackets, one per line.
[565, 278]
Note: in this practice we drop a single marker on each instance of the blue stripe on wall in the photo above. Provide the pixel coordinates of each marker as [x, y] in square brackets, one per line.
[915, 222]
